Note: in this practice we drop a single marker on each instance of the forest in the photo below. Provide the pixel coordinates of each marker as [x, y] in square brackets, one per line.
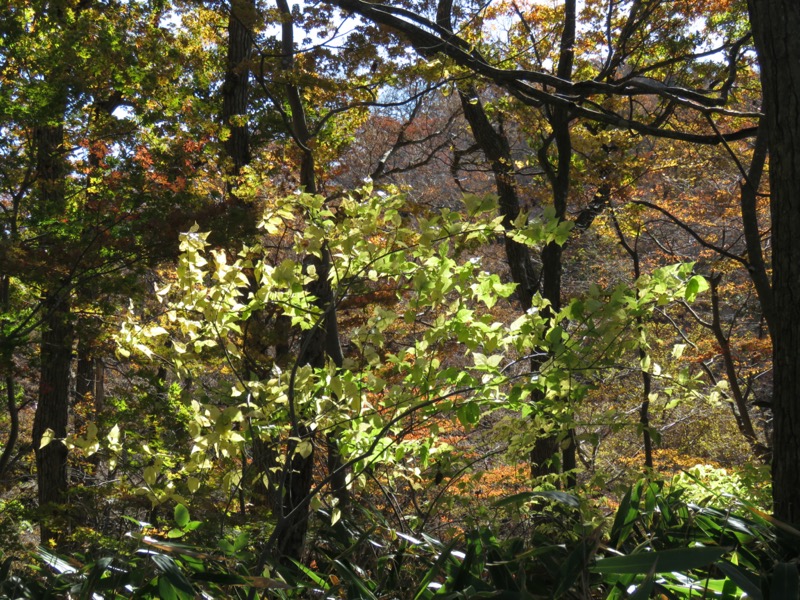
[400, 299]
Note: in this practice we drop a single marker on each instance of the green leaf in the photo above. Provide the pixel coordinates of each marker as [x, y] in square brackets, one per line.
[664, 561]
[304, 448]
[193, 483]
[181, 515]
[241, 541]
[469, 413]
[744, 580]
[355, 581]
[150, 475]
[166, 591]
[696, 285]
[555, 495]
[192, 525]
[173, 573]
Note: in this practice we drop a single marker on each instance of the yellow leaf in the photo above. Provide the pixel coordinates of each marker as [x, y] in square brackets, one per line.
[304, 448]
[47, 437]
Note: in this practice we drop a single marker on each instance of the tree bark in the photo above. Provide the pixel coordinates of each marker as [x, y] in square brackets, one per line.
[13, 415]
[497, 150]
[775, 25]
[57, 336]
[53, 408]
[318, 343]
[235, 90]
[756, 265]
[7, 370]
[559, 177]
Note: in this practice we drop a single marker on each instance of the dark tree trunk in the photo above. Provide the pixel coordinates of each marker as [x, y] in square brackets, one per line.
[13, 414]
[53, 408]
[56, 341]
[7, 370]
[317, 345]
[235, 90]
[497, 150]
[775, 25]
[559, 176]
[495, 147]
[298, 475]
[756, 267]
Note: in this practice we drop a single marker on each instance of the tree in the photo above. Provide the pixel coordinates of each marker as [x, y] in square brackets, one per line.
[80, 199]
[325, 354]
[775, 24]
[628, 69]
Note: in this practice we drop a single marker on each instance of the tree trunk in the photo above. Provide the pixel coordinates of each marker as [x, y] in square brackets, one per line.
[13, 415]
[497, 150]
[317, 345]
[756, 266]
[53, 408]
[7, 370]
[235, 90]
[775, 25]
[559, 177]
[56, 341]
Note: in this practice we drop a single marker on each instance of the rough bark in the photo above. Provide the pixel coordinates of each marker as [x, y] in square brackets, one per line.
[756, 265]
[317, 345]
[497, 150]
[236, 89]
[7, 370]
[57, 336]
[558, 175]
[775, 25]
[53, 409]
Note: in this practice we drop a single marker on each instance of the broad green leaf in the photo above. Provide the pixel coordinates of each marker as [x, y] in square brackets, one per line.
[150, 475]
[555, 495]
[663, 561]
[743, 579]
[181, 515]
[695, 286]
